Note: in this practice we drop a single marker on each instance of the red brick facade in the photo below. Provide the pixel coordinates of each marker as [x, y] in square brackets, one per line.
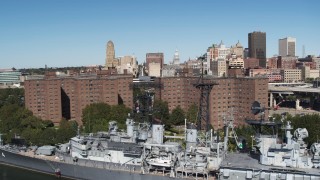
[54, 98]
[230, 93]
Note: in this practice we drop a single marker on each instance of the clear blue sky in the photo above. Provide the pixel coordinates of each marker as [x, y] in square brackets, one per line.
[59, 33]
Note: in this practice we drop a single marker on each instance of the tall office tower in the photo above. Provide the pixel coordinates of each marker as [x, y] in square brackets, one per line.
[257, 47]
[111, 61]
[287, 46]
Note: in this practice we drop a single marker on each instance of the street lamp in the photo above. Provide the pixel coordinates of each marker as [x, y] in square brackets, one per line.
[252, 136]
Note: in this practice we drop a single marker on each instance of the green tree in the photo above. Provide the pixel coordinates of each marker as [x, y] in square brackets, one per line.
[12, 96]
[176, 117]
[11, 116]
[192, 113]
[291, 98]
[48, 136]
[311, 122]
[66, 130]
[161, 110]
[96, 116]
[119, 113]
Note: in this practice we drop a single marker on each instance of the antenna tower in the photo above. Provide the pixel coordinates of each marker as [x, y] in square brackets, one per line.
[203, 118]
[303, 52]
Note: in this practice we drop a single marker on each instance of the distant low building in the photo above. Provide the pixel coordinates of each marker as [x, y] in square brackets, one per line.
[291, 75]
[258, 72]
[10, 77]
[251, 63]
[272, 63]
[219, 68]
[154, 69]
[287, 62]
[129, 64]
[306, 73]
[236, 63]
[170, 70]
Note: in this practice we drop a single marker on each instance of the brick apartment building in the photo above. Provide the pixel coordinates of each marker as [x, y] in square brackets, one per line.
[235, 94]
[55, 97]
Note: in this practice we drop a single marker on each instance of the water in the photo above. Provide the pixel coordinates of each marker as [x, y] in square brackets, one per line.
[14, 173]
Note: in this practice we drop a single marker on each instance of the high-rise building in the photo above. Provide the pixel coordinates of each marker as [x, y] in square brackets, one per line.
[231, 94]
[129, 64]
[219, 51]
[154, 58]
[111, 61]
[237, 50]
[219, 68]
[257, 47]
[287, 46]
[55, 97]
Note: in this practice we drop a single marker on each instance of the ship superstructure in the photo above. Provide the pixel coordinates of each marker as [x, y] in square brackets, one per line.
[274, 158]
[143, 145]
[112, 146]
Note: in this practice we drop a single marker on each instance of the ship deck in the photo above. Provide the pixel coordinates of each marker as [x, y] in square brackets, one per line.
[242, 161]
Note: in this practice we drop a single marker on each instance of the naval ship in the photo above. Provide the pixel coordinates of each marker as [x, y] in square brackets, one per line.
[142, 153]
[139, 153]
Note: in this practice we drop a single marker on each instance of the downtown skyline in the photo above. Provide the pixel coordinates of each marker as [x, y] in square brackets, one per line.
[75, 33]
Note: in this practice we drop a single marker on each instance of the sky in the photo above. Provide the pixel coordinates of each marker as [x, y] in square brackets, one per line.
[65, 33]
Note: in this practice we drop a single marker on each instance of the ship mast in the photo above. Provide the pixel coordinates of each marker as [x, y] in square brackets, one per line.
[203, 118]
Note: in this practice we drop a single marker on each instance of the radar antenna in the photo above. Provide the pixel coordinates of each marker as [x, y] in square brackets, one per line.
[257, 109]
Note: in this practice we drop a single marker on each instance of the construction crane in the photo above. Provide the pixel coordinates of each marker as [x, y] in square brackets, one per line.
[277, 105]
[281, 101]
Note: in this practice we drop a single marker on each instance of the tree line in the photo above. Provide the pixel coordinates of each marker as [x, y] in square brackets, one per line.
[16, 120]
[96, 117]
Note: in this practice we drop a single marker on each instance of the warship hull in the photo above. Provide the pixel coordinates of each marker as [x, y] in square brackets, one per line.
[82, 169]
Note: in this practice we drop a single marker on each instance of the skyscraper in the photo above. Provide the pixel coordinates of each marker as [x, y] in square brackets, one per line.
[287, 46]
[111, 61]
[154, 58]
[257, 46]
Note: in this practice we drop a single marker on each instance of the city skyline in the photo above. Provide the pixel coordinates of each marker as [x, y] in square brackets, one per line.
[75, 33]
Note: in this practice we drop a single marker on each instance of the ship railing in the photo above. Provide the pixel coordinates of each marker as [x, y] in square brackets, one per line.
[109, 165]
[267, 136]
[125, 151]
[100, 164]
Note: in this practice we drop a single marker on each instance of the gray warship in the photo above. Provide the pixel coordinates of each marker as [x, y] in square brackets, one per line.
[141, 153]
[273, 158]
[138, 153]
